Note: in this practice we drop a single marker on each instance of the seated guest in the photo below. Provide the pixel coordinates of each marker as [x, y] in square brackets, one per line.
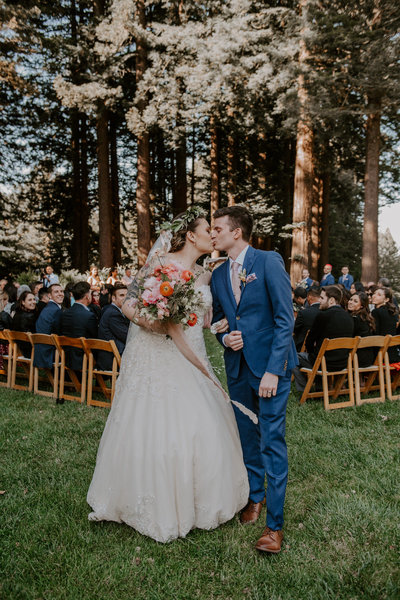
[11, 292]
[49, 277]
[386, 317]
[305, 318]
[5, 322]
[35, 287]
[43, 299]
[23, 288]
[327, 278]
[346, 295]
[48, 322]
[346, 279]
[299, 298]
[364, 325]
[95, 305]
[68, 297]
[78, 321]
[24, 319]
[113, 326]
[331, 322]
[383, 282]
[105, 295]
[127, 278]
[356, 287]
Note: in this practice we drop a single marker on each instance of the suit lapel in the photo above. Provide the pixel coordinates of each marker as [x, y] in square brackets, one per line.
[247, 266]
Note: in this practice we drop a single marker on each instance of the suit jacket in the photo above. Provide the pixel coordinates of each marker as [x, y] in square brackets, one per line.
[331, 323]
[264, 314]
[304, 321]
[49, 321]
[113, 326]
[327, 280]
[346, 282]
[77, 321]
[386, 323]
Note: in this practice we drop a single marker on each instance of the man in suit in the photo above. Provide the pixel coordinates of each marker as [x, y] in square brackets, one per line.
[113, 326]
[78, 321]
[331, 322]
[49, 321]
[346, 279]
[306, 281]
[328, 278]
[252, 290]
[49, 277]
[306, 317]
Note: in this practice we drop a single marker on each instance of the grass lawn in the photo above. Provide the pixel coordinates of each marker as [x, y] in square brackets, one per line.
[342, 515]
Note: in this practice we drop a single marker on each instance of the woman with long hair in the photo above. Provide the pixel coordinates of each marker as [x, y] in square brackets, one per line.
[364, 325]
[386, 318]
[24, 319]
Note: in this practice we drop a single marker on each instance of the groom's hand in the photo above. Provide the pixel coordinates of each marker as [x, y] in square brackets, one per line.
[234, 340]
[268, 385]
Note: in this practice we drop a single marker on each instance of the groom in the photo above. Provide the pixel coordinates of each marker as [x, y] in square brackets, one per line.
[252, 290]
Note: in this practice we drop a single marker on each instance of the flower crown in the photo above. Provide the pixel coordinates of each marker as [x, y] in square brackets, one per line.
[191, 214]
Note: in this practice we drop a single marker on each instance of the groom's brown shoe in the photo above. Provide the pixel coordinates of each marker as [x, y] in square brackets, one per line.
[251, 512]
[270, 541]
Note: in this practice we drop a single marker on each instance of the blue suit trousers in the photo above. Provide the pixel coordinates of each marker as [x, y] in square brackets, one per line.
[264, 445]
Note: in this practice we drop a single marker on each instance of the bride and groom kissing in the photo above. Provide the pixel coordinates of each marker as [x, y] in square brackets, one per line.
[174, 454]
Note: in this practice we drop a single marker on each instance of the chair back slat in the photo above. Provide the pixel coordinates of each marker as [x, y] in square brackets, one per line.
[19, 336]
[43, 338]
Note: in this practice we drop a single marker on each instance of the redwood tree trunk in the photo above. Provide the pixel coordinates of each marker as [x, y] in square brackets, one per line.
[84, 197]
[324, 222]
[143, 153]
[104, 191]
[76, 190]
[371, 193]
[180, 195]
[116, 218]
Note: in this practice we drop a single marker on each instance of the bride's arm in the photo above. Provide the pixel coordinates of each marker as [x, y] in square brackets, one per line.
[130, 311]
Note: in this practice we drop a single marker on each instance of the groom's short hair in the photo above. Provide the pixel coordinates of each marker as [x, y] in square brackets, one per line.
[239, 217]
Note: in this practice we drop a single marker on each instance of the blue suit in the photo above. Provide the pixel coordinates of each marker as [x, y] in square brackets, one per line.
[264, 315]
[49, 321]
[346, 280]
[327, 279]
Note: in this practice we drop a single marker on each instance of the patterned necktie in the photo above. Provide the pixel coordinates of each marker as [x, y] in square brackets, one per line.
[236, 281]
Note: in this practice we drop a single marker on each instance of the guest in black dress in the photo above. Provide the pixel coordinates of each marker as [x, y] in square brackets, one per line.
[24, 319]
[386, 318]
[364, 325]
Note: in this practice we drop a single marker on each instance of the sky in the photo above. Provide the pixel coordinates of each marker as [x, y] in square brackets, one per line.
[389, 216]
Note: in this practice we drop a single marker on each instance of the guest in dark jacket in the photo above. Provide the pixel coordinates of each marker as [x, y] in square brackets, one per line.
[95, 304]
[386, 318]
[48, 322]
[305, 318]
[364, 325]
[24, 319]
[43, 296]
[78, 321]
[331, 322]
[113, 326]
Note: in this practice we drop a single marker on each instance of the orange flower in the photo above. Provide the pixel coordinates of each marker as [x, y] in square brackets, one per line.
[192, 319]
[166, 289]
[187, 275]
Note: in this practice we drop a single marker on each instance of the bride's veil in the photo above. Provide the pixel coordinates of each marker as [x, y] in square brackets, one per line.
[161, 246]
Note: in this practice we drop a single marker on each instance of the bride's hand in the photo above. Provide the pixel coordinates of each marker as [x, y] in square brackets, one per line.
[221, 326]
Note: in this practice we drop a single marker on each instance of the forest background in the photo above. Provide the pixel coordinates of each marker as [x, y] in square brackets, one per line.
[117, 114]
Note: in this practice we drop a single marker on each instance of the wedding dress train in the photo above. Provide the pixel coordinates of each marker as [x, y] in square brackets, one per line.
[170, 457]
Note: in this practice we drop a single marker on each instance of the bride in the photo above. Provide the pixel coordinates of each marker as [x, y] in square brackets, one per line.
[170, 458]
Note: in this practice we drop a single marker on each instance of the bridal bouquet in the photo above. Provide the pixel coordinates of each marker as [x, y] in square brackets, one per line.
[168, 292]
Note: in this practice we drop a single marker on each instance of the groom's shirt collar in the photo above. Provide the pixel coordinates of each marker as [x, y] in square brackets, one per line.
[240, 258]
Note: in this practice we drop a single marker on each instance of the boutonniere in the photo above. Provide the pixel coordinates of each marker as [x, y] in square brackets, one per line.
[242, 276]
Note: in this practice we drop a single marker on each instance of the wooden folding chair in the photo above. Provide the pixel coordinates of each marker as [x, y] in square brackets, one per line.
[320, 369]
[392, 384]
[376, 369]
[7, 359]
[19, 360]
[64, 343]
[98, 374]
[52, 375]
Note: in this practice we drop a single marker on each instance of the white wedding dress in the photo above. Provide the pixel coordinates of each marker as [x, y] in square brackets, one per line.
[170, 457]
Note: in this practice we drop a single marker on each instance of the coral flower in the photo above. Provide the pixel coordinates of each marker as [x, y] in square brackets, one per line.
[166, 289]
[192, 319]
[187, 275]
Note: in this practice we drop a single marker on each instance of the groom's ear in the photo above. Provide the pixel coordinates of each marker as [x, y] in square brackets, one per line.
[237, 233]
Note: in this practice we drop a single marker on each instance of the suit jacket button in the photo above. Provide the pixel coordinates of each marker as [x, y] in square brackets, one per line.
[238, 318]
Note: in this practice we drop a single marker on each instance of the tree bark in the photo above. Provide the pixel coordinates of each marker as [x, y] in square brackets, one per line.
[369, 266]
[143, 153]
[324, 222]
[104, 191]
[116, 217]
[76, 190]
[180, 196]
